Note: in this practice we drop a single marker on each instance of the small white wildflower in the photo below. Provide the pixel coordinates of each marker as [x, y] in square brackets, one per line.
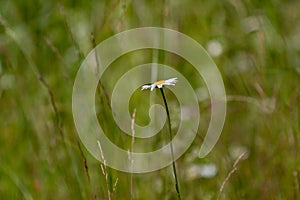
[196, 171]
[160, 84]
[214, 48]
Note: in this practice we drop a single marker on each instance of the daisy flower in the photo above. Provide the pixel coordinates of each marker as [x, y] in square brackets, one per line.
[160, 84]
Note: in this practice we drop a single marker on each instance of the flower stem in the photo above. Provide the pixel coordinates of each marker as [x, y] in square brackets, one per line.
[171, 144]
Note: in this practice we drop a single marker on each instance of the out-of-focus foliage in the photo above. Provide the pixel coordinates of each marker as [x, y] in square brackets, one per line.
[255, 44]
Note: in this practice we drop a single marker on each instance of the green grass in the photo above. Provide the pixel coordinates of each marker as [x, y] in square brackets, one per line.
[42, 44]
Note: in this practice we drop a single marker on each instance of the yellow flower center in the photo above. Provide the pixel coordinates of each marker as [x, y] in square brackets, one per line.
[159, 82]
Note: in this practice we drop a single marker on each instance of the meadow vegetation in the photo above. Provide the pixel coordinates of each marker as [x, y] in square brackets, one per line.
[256, 46]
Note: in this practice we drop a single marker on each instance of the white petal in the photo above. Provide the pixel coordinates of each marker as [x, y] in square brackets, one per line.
[171, 81]
[160, 85]
[146, 87]
[152, 87]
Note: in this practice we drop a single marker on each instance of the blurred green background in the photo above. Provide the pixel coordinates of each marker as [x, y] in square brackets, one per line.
[256, 46]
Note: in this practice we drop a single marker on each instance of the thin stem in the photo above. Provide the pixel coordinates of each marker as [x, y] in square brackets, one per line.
[234, 169]
[104, 170]
[131, 157]
[171, 144]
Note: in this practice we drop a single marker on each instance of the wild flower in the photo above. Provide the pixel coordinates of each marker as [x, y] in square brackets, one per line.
[160, 84]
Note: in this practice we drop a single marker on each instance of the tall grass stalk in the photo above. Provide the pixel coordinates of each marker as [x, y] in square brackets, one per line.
[233, 170]
[171, 144]
[104, 170]
[131, 157]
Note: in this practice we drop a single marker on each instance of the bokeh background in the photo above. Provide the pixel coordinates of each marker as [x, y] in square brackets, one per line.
[256, 46]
